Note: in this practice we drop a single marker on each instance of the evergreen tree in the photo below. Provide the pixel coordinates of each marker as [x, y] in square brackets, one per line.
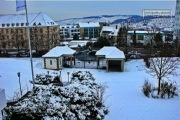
[75, 37]
[158, 39]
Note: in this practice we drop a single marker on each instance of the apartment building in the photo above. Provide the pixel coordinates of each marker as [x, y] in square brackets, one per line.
[89, 30]
[44, 32]
[68, 31]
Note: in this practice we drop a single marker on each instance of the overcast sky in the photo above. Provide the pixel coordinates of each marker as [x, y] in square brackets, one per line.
[60, 9]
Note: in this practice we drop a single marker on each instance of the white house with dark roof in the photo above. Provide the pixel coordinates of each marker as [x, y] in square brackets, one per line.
[56, 57]
[113, 56]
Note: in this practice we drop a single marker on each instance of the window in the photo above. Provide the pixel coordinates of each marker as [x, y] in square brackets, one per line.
[17, 24]
[12, 31]
[3, 25]
[21, 30]
[41, 30]
[13, 24]
[8, 24]
[7, 31]
[140, 37]
[22, 24]
[50, 62]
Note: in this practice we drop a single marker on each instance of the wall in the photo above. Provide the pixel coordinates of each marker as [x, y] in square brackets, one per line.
[48, 65]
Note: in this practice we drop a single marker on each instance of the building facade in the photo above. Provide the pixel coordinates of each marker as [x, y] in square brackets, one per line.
[44, 32]
[89, 30]
[68, 31]
[177, 19]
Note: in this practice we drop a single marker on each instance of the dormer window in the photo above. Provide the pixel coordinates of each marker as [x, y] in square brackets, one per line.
[39, 24]
[22, 24]
[3, 25]
[13, 24]
[8, 24]
[34, 24]
[27, 24]
[17, 24]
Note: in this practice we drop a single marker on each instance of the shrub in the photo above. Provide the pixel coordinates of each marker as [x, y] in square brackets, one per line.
[44, 79]
[146, 60]
[146, 88]
[168, 89]
[80, 100]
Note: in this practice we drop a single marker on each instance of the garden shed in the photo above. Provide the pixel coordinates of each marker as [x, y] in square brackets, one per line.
[57, 57]
[113, 56]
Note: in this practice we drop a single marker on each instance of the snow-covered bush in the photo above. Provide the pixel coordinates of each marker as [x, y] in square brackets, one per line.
[76, 101]
[168, 89]
[44, 79]
[146, 88]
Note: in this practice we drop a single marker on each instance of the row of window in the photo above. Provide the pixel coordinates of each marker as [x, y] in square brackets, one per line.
[71, 27]
[7, 31]
[13, 24]
[12, 37]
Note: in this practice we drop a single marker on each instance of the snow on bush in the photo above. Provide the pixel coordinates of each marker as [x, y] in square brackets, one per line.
[45, 79]
[169, 89]
[77, 101]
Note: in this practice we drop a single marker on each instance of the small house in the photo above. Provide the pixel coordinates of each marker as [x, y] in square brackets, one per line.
[113, 56]
[57, 57]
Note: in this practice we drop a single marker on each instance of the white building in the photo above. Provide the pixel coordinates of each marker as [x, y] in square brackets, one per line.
[68, 31]
[56, 57]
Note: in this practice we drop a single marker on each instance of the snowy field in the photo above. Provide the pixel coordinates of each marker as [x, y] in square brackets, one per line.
[124, 97]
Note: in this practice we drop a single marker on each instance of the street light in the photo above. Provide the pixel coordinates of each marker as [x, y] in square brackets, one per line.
[68, 76]
[60, 75]
[19, 82]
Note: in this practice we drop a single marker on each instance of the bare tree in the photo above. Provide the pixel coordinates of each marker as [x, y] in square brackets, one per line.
[162, 67]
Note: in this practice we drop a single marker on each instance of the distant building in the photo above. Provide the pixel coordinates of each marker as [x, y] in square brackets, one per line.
[89, 30]
[142, 37]
[44, 32]
[177, 19]
[68, 31]
[110, 32]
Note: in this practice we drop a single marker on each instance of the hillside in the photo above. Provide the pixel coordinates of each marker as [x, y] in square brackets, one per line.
[111, 19]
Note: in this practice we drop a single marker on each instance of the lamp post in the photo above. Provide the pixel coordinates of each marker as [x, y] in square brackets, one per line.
[68, 76]
[19, 82]
[60, 75]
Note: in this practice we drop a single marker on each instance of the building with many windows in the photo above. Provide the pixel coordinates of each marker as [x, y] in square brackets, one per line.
[89, 30]
[44, 32]
[68, 31]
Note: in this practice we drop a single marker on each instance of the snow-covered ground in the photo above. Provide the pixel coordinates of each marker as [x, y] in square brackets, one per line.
[124, 97]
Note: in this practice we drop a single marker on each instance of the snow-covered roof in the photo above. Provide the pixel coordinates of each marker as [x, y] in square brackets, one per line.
[89, 24]
[68, 26]
[143, 32]
[111, 53]
[19, 20]
[110, 30]
[59, 51]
